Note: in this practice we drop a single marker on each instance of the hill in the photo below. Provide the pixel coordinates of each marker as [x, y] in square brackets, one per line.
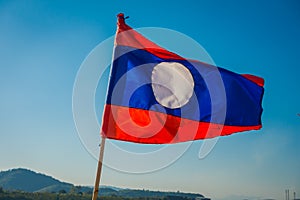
[30, 181]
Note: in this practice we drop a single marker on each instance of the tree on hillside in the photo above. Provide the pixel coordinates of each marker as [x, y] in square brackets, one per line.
[73, 190]
[62, 191]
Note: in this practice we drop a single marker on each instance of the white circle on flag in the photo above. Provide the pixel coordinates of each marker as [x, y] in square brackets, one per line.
[172, 84]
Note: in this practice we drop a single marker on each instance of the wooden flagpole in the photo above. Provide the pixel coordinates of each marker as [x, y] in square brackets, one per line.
[121, 20]
[99, 169]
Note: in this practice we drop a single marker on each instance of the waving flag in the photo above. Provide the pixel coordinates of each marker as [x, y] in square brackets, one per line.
[158, 97]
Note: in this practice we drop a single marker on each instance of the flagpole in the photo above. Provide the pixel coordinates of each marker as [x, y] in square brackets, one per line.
[99, 169]
[121, 20]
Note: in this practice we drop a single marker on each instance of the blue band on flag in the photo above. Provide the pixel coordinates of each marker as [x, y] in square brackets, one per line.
[243, 97]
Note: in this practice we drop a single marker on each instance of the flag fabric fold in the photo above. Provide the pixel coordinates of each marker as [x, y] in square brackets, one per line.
[158, 97]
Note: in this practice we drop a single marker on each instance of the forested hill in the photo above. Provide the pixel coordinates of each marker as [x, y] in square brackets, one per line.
[32, 182]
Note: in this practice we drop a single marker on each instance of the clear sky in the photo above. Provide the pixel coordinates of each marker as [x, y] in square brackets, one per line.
[43, 43]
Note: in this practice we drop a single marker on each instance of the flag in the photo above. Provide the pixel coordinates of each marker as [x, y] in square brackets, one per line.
[158, 97]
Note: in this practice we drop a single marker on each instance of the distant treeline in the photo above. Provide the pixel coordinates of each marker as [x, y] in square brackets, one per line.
[19, 195]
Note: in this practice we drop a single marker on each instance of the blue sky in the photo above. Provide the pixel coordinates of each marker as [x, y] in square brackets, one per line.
[43, 43]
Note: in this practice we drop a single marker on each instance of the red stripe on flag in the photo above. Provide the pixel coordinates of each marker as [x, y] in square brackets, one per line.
[143, 126]
[126, 36]
[259, 81]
